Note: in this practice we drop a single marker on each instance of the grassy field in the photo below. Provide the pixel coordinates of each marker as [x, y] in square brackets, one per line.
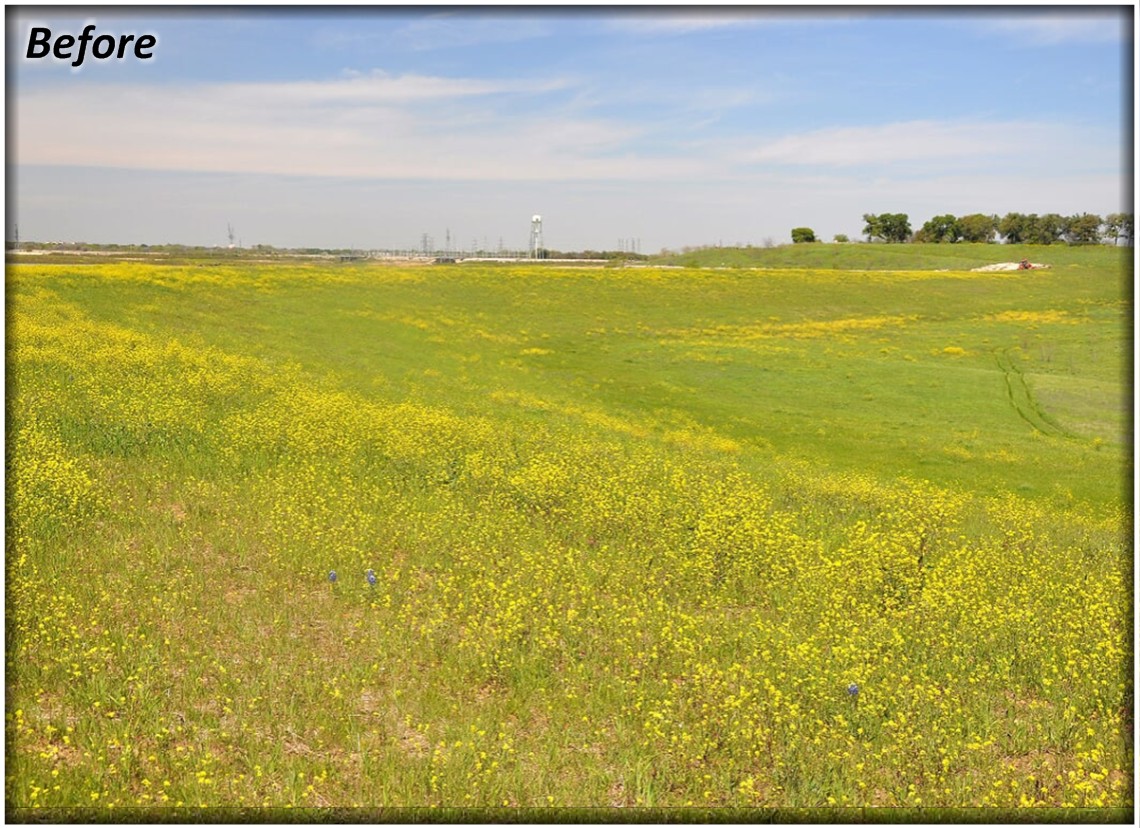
[878, 256]
[799, 537]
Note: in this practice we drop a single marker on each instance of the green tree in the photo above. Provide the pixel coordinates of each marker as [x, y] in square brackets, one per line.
[1083, 229]
[939, 230]
[801, 235]
[894, 227]
[1117, 226]
[1045, 229]
[978, 228]
[1112, 227]
[873, 228]
[841, 238]
[1014, 227]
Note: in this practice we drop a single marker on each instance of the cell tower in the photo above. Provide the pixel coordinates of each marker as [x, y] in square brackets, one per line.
[535, 237]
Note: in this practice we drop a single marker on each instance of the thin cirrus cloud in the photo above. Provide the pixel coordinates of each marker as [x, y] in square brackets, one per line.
[380, 87]
[934, 142]
[378, 125]
[1104, 25]
[680, 22]
[665, 21]
[373, 126]
[449, 30]
[441, 31]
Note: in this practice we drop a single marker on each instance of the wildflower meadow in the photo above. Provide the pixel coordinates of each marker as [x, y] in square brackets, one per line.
[531, 539]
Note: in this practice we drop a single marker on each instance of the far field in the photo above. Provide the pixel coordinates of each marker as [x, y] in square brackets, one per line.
[791, 536]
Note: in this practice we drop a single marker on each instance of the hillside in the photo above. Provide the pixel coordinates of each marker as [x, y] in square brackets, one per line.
[858, 256]
[360, 536]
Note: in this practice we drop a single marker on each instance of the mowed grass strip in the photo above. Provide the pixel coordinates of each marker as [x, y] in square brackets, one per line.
[657, 538]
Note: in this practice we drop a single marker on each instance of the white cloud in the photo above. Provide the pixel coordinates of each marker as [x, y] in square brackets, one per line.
[446, 30]
[937, 142]
[410, 126]
[375, 88]
[679, 21]
[685, 99]
[372, 126]
[670, 22]
[1088, 25]
[450, 31]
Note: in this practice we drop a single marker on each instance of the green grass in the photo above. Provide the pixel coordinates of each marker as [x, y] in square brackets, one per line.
[861, 256]
[635, 532]
[888, 400]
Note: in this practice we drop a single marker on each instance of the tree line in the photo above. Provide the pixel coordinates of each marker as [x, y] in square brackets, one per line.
[1014, 228]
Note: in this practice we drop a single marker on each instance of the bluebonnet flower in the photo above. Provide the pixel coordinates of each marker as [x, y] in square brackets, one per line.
[371, 576]
[332, 576]
[852, 689]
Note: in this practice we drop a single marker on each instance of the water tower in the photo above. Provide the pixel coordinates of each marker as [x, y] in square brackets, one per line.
[535, 237]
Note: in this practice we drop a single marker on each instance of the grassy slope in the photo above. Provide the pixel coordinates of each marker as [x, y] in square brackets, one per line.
[856, 256]
[603, 578]
[664, 348]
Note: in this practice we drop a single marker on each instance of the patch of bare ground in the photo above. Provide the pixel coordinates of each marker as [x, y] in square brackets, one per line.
[1027, 701]
[537, 720]
[209, 707]
[617, 797]
[51, 708]
[1118, 779]
[1035, 762]
[294, 745]
[52, 748]
[487, 692]
[369, 703]
[411, 742]
[317, 634]
[177, 511]
[882, 799]
[238, 595]
[766, 792]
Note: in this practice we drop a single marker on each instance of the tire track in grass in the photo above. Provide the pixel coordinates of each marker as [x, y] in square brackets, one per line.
[1021, 398]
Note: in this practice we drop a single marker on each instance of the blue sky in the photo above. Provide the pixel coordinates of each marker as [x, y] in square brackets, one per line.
[368, 127]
